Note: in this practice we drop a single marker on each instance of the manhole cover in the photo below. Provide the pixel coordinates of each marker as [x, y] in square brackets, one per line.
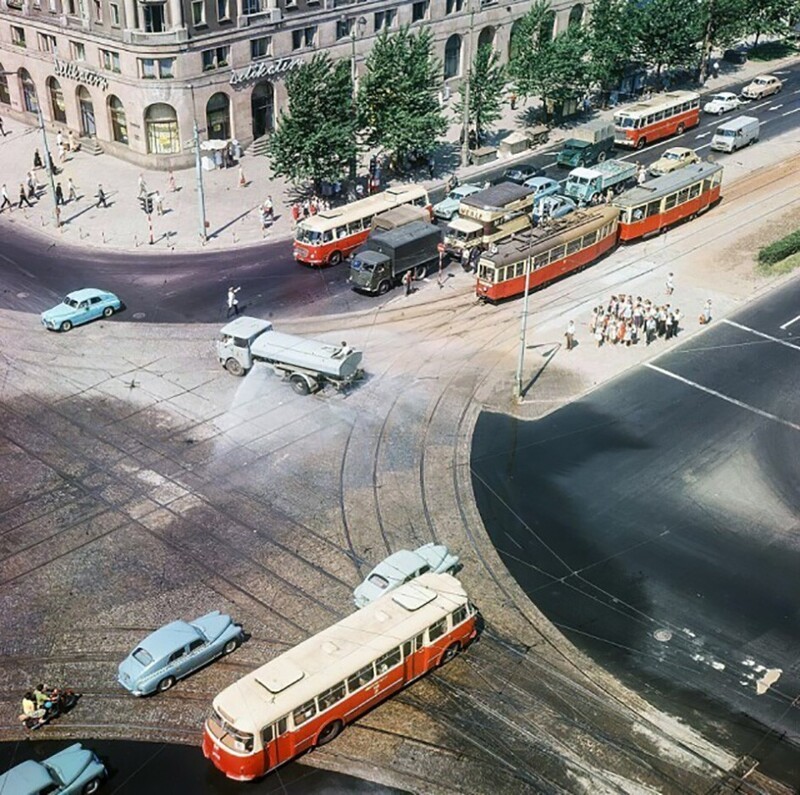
[139, 315]
[22, 295]
[663, 635]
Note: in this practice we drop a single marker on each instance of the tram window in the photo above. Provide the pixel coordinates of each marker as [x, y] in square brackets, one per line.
[670, 201]
[694, 190]
[683, 196]
[459, 614]
[706, 185]
[590, 239]
[360, 678]
[420, 201]
[368, 221]
[519, 269]
[653, 208]
[573, 246]
[437, 630]
[557, 253]
[387, 661]
[540, 260]
[637, 214]
[406, 649]
[330, 696]
[304, 712]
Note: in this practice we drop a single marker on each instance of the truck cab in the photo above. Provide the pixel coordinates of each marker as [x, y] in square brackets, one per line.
[588, 145]
[234, 346]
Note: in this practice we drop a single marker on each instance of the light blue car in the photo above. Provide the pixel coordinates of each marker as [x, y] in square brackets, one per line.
[448, 206]
[81, 307]
[553, 206]
[176, 650]
[74, 771]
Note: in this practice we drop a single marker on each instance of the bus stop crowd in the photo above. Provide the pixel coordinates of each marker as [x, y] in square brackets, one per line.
[628, 320]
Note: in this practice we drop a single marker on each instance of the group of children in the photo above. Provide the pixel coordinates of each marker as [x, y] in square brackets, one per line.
[627, 320]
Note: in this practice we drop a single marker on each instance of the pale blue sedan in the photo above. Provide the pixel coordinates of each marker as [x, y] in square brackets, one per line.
[176, 650]
[79, 307]
[447, 208]
[73, 771]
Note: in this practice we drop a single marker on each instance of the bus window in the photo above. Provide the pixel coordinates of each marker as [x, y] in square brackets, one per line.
[330, 696]
[354, 227]
[653, 208]
[574, 246]
[649, 119]
[304, 712]
[327, 236]
[267, 735]
[657, 116]
[437, 630]
[341, 232]
[387, 661]
[360, 678]
[459, 614]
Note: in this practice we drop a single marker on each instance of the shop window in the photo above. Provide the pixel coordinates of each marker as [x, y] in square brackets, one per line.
[161, 129]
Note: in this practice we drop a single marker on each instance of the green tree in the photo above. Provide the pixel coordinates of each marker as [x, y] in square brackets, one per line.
[722, 23]
[398, 96]
[667, 33]
[770, 16]
[612, 40]
[316, 138]
[554, 69]
[487, 81]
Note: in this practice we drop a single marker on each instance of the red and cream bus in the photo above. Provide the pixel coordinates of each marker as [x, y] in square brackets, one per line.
[328, 236]
[549, 252]
[659, 117]
[659, 203]
[305, 697]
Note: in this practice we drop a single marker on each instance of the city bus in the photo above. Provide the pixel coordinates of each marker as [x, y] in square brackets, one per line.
[659, 117]
[659, 203]
[328, 236]
[304, 697]
[548, 252]
[489, 215]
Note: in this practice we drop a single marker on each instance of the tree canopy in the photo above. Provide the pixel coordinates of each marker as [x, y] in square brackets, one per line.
[487, 82]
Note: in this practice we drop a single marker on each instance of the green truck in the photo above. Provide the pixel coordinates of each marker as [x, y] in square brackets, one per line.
[588, 145]
[590, 185]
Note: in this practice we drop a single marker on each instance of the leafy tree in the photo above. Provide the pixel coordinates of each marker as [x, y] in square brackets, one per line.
[487, 81]
[722, 23]
[770, 16]
[612, 40]
[556, 70]
[668, 32]
[316, 138]
[398, 96]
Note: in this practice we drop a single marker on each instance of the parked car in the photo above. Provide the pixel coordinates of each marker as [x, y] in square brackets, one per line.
[674, 158]
[518, 174]
[763, 86]
[79, 307]
[553, 207]
[735, 56]
[74, 771]
[448, 206]
[542, 186]
[722, 103]
[401, 567]
[176, 650]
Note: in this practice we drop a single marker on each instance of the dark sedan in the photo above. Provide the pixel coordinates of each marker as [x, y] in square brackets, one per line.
[518, 174]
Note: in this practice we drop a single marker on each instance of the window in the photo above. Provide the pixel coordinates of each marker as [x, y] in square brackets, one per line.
[452, 56]
[454, 6]
[70, 6]
[694, 190]
[387, 661]
[385, 19]
[260, 48]
[304, 712]
[18, 36]
[47, 43]
[519, 269]
[113, 11]
[78, 51]
[330, 696]
[154, 18]
[98, 10]
[574, 246]
[119, 123]
[437, 630]
[161, 127]
[109, 60]
[557, 253]
[215, 58]
[272, 732]
[419, 11]
[251, 7]
[343, 28]
[670, 201]
[304, 37]
[653, 208]
[683, 196]
[459, 614]
[360, 678]
[5, 96]
[156, 68]
[407, 649]
[176, 655]
[198, 12]
[196, 644]
[223, 10]
[57, 106]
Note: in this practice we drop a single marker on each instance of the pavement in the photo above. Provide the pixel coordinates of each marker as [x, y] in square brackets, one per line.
[232, 211]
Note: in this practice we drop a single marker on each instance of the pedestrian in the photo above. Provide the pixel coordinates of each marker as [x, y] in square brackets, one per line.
[37, 159]
[101, 196]
[62, 155]
[587, 105]
[513, 101]
[669, 324]
[609, 195]
[31, 182]
[650, 329]
[598, 335]
[715, 69]
[670, 284]
[2, 128]
[465, 259]
[641, 174]
[158, 202]
[570, 335]
[269, 208]
[143, 192]
[171, 187]
[72, 193]
[295, 213]
[59, 195]
[71, 145]
[233, 301]
[431, 165]
[705, 317]
[407, 279]
[59, 139]
[676, 319]
[5, 198]
[22, 196]
[242, 180]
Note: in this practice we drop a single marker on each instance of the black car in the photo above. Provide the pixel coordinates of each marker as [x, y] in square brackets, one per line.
[735, 56]
[518, 174]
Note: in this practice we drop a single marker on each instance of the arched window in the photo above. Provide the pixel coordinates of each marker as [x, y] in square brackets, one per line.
[57, 107]
[575, 16]
[161, 130]
[548, 30]
[452, 57]
[86, 107]
[218, 117]
[29, 98]
[486, 37]
[119, 122]
[5, 97]
[262, 107]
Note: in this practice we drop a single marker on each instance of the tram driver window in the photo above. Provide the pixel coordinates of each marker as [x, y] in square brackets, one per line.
[653, 208]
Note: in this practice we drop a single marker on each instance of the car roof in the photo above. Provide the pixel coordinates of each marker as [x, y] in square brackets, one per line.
[535, 182]
[765, 77]
[28, 777]
[726, 94]
[86, 293]
[466, 188]
[400, 564]
[168, 638]
[677, 149]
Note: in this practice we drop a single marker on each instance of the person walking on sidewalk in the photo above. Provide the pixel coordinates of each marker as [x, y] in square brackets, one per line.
[158, 203]
[242, 180]
[143, 192]
[22, 196]
[6, 200]
[171, 186]
[101, 196]
[670, 285]
[31, 183]
[570, 335]
[705, 317]
[37, 159]
[407, 280]
[59, 195]
[2, 128]
[233, 301]
[72, 193]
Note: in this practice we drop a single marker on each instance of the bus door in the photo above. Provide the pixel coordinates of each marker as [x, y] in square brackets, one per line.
[414, 657]
[278, 744]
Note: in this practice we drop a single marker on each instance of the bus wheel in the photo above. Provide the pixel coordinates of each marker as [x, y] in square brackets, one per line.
[299, 384]
[383, 287]
[234, 366]
[330, 732]
[680, 128]
[641, 142]
[420, 272]
[335, 258]
[450, 652]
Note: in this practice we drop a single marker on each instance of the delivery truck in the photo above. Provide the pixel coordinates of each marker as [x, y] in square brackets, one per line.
[589, 144]
[589, 185]
[307, 364]
[735, 134]
[387, 256]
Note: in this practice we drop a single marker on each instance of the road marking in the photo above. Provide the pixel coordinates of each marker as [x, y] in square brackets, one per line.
[761, 334]
[786, 325]
[775, 107]
[789, 112]
[756, 107]
[703, 135]
[719, 395]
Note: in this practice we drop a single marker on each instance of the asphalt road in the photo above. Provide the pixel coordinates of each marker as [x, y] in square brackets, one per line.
[182, 287]
[655, 522]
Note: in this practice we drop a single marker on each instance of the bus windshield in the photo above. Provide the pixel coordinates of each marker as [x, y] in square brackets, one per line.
[306, 235]
[624, 121]
[227, 735]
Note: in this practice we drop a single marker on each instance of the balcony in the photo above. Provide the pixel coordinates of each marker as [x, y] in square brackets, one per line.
[270, 16]
[155, 39]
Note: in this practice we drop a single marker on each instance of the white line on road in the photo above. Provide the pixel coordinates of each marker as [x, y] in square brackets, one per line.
[761, 334]
[789, 112]
[735, 402]
[703, 135]
[786, 325]
[775, 107]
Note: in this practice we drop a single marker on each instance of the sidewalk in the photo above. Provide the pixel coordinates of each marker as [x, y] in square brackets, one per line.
[232, 211]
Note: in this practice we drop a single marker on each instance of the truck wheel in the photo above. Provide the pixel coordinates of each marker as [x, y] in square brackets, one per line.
[420, 272]
[383, 287]
[641, 142]
[581, 163]
[299, 384]
[335, 258]
[601, 157]
[234, 366]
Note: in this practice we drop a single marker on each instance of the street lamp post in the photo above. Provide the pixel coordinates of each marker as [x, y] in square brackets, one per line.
[356, 29]
[465, 93]
[523, 332]
[201, 195]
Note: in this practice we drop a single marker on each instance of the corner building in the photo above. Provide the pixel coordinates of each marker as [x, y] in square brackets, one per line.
[130, 77]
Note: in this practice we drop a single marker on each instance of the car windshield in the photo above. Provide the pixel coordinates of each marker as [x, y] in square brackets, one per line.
[672, 156]
[305, 235]
[378, 581]
[70, 302]
[142, 656]
[720, 98]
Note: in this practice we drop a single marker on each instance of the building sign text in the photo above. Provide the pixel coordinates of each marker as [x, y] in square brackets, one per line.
[80, 74]
[264, 69]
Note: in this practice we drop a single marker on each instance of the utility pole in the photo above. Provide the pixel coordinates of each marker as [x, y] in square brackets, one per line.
[198, 163]
[357, 26]
[466, 90]
[48, 161]
[523, 332]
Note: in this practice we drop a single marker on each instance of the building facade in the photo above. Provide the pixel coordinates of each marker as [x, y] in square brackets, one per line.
[135, 75]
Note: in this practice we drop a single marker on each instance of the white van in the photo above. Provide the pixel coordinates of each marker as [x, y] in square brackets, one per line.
[735, 134]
